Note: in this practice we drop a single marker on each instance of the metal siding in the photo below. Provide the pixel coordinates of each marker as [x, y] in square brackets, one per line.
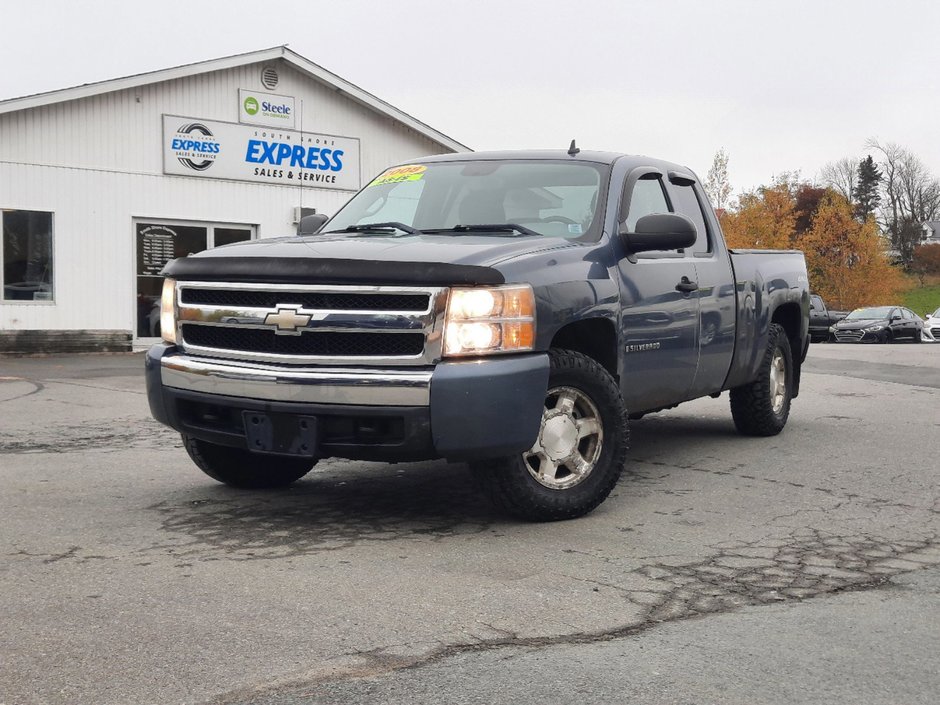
[96, 163]
[115, 131]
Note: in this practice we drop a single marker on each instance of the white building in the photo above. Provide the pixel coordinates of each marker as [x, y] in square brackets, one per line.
[102, 183]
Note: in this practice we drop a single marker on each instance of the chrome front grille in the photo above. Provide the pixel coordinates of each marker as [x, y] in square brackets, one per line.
[314, 324]
[326, 300]
[852, 336]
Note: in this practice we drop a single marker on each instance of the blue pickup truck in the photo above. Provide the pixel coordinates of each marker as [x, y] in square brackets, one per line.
[512, 310]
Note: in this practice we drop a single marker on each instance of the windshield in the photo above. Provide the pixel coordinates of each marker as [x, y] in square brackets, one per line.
[935, 314]
[557, 199]
[862, 314]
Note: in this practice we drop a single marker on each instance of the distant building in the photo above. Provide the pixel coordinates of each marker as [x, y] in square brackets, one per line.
[931, 233]
[102, 183]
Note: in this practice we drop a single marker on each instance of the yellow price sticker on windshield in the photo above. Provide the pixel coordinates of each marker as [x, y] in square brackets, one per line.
[398, 174]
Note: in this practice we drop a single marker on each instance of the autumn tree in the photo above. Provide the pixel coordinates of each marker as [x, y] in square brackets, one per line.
[765, 218]
[806, 202]
[844, 257]
[717, 185]
[846, 261]
[926, 262]
[868, 181]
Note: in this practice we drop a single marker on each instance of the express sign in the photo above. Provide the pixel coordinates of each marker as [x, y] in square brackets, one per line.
[224, 150]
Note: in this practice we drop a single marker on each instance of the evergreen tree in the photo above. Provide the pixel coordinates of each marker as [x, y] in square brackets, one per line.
[867, 195]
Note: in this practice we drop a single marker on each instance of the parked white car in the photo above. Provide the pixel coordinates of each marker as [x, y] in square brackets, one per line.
[932, 326]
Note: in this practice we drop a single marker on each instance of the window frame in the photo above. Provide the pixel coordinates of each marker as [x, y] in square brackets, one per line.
[646, 173]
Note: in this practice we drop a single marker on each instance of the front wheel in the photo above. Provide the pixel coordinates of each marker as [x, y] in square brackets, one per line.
[761, 408]
[241, 468]
[580, 450]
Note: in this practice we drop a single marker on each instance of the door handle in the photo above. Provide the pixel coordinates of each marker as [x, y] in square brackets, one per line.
[686, 286]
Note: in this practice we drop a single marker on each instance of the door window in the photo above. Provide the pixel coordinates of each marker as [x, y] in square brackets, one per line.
[228, 236]
[647, 198]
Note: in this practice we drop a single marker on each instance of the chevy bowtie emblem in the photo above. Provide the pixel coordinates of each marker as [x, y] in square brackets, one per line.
[287, 320]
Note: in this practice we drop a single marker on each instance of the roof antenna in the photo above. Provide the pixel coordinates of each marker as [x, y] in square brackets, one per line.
[573, 149]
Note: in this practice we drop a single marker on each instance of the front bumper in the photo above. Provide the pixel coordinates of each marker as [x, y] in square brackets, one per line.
[458, 410]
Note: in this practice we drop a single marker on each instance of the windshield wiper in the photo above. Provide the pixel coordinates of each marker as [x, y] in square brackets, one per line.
[369, 227]
[487, 228]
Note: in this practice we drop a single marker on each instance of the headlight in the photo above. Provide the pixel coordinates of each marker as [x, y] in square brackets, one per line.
[489, 320]
[168, 311]
[873, 329]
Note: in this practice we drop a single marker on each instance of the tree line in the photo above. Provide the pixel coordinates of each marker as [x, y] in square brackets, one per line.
[843, 223]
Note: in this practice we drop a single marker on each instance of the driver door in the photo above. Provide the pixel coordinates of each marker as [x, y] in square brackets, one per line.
[658, 323]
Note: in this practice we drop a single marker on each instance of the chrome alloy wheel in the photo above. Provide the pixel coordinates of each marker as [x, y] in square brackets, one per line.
[778, 381]
[569, 442]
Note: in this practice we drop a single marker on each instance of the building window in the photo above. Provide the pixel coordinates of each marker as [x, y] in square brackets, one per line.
[27, 255]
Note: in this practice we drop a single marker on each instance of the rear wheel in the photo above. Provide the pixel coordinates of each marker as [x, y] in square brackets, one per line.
[579, 453]
[241, 468]
[761, 408]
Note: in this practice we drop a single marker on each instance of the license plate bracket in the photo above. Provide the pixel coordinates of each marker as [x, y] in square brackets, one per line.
[281, 434]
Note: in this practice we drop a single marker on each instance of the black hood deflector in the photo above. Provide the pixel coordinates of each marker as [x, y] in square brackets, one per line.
[295, 270]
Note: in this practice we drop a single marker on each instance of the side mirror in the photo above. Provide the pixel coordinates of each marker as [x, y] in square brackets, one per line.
[659, 231]
[896, 317]
[311, 224]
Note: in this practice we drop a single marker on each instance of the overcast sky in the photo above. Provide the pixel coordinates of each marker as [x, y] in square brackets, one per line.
[781, 86]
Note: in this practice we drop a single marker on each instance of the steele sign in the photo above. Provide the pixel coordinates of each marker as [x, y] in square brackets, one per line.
[266, 109]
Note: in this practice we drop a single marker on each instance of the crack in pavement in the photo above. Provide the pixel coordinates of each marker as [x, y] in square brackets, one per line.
[324, 513]
[772, 480]
[806, 565]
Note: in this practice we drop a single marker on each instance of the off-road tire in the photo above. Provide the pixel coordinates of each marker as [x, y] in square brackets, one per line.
[752, 404]
[508, 481]
[238, 467]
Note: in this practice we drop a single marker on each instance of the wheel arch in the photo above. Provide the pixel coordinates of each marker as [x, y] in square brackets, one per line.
[594, 337]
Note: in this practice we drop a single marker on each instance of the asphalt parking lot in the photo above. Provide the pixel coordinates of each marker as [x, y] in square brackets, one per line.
[723, 569]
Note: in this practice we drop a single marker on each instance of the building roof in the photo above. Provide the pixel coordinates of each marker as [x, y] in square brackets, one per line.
[305, 66]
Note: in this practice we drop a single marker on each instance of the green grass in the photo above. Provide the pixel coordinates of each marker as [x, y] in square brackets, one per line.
[923, 300]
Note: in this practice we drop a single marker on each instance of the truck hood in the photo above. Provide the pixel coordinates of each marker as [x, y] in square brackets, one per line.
[365, 258]
[480, 250]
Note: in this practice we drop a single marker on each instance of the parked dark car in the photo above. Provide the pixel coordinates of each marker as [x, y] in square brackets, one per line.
[821, 319]
[879, 324]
